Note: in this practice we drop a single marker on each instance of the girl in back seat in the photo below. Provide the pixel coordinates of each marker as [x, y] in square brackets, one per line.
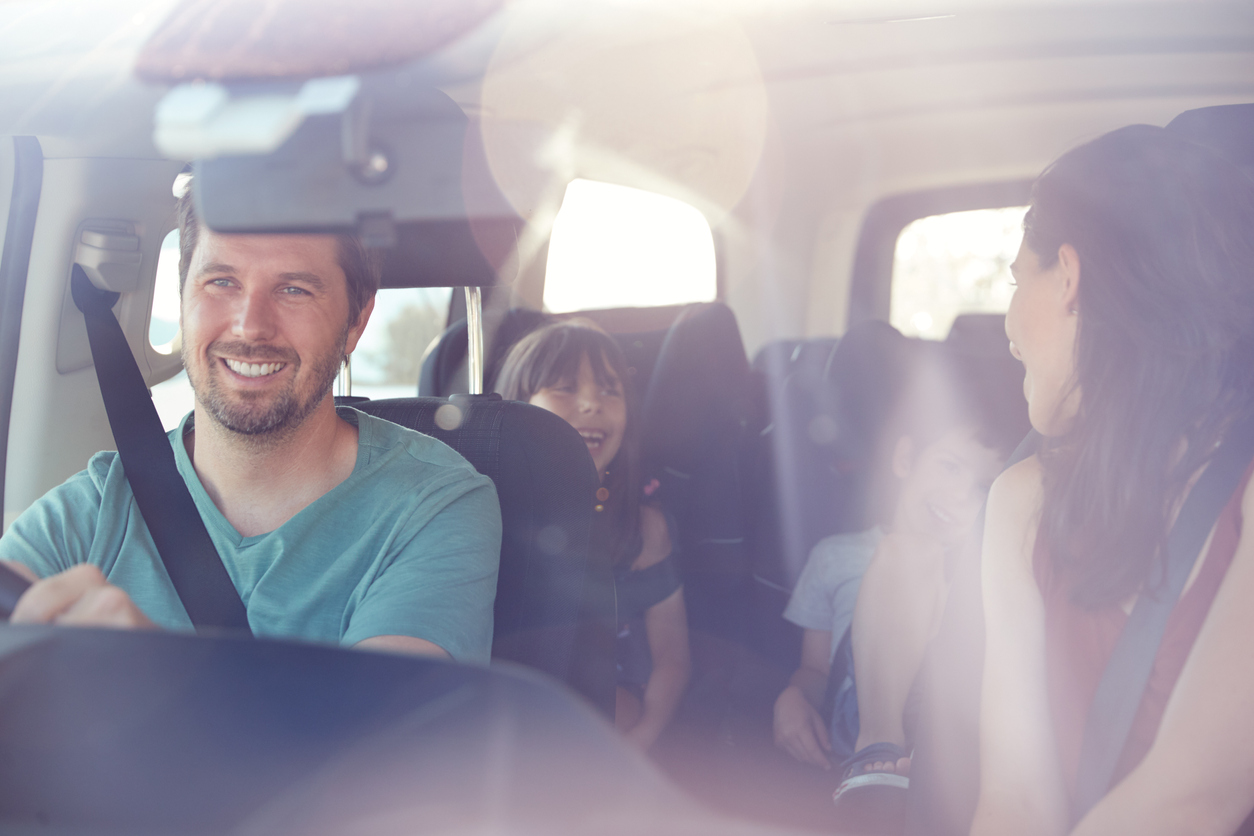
[577, 371]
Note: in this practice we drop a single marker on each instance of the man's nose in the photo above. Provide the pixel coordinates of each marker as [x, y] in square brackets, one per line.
[254, 316]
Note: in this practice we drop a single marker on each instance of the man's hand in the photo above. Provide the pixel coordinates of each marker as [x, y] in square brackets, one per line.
[78, 597]
[403, 644]
[799, 730]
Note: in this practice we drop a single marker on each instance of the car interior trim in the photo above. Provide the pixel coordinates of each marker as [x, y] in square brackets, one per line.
[28, 170]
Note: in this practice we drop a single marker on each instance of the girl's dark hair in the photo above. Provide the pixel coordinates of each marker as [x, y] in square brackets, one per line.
[1164, 352]
[550, 356]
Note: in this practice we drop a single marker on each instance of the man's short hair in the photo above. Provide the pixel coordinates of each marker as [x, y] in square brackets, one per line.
[361, 267]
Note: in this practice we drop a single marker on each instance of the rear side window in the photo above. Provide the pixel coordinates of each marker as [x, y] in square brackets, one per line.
[950, 264]
[614, 247]
[163, 325]
[404, 324]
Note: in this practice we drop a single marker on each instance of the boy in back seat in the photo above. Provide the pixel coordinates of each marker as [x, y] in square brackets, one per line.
[875, 597]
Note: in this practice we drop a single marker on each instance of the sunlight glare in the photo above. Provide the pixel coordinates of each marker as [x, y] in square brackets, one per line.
[615, 246]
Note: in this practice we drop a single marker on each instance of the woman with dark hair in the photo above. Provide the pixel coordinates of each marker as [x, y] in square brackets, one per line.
[1134, 319]
[576, 371]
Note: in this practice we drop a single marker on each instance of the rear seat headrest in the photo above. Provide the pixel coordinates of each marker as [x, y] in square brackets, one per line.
[1228, 129]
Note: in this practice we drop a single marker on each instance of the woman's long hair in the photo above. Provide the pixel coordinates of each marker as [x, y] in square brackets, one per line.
[551, 355]
[1164, 352]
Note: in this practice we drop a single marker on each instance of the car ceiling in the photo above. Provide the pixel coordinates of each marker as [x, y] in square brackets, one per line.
[766, 114]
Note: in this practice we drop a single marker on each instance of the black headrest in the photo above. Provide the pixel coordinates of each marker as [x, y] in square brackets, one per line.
[979, 333]
[1228, 129]
[701, 373]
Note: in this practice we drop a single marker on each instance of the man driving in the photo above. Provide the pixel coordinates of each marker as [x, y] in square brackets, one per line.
[333, 525]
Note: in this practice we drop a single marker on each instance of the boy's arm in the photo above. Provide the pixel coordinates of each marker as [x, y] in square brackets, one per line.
[799, 729]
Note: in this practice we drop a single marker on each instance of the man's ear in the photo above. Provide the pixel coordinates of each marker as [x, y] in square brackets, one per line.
[903, 457]
[1069, 264]
[355, 332]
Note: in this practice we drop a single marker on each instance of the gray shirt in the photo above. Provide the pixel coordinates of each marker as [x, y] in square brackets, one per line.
[828, 587]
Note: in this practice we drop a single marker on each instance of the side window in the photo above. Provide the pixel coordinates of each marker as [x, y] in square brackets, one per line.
[945, 265]
[614, 246]
[163, 326]
[173, 398]
[404, 324]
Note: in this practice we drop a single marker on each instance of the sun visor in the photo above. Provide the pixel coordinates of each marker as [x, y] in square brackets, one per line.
[396, 163]
[336, 127]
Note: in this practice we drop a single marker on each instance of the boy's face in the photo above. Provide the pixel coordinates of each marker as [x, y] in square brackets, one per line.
[943, 485]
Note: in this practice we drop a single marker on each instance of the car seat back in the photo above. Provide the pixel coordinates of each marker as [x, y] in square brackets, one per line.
[697, 412]
[555, 606]
[820, 444]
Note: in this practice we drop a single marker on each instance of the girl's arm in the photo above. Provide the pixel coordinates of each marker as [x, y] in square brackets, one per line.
[1198, 777]
[799, 729]
[1021, 789]
[666, 627]
[666, 630]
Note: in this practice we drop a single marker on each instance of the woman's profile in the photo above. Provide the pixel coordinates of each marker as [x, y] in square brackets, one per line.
[1134, 319]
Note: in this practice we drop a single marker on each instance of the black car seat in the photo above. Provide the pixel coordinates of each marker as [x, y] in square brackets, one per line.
[444, 369]
[821, 441]
[1228, 129]
[555, 606]
[697, 411]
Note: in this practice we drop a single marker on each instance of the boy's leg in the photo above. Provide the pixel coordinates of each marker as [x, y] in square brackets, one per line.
[901, 594]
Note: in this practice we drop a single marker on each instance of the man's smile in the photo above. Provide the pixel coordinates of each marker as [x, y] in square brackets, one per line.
[244, 369]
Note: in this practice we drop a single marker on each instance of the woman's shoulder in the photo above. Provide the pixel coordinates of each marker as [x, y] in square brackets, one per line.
[1014, 506]
[1018, 488]
[656, 536]
[1247, 498]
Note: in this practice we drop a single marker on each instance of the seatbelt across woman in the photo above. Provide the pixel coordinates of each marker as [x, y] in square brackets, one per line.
[189, 556]
[1127, 673]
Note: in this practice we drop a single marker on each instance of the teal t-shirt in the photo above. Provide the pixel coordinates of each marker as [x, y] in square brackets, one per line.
[407, 545]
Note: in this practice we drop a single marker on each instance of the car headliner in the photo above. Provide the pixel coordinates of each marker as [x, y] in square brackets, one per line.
[791, 115]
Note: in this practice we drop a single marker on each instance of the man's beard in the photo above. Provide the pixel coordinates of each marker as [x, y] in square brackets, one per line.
[247, 413]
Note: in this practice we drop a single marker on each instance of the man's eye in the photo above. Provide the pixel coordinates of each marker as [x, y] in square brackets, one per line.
[220, 282]
[295, 291]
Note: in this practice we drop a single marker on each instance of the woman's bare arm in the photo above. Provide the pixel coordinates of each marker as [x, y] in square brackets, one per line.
[1021, 788]
[1198, 778]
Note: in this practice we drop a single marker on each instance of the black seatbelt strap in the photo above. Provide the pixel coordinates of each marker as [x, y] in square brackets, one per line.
[1123, 683]
[190, 558]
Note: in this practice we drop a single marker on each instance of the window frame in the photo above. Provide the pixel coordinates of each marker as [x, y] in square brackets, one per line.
[16, 243]
[870, 285]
